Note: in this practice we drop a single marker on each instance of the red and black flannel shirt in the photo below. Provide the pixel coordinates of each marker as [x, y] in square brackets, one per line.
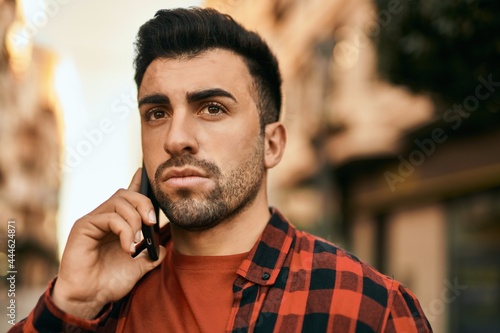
[291, 281]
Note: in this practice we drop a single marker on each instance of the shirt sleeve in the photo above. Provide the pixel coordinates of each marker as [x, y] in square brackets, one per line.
[47, 317]
[405, 313]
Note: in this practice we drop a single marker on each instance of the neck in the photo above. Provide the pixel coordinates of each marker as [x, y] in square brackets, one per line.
[236, 235]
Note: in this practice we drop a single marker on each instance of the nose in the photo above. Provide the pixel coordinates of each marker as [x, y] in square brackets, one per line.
[180, 137]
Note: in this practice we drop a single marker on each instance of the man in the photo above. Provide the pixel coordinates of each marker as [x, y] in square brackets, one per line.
[209, 100]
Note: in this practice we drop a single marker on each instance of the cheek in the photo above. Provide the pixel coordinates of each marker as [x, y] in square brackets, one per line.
[152, 149]
[150, 142]
[242, 157]
[238, 144]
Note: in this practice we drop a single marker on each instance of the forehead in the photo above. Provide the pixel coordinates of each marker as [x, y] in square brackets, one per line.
[213, 68]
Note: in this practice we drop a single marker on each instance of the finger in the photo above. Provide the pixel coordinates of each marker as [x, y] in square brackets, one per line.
[124, 231]
[141, 203]
[130, 214]
[135, 184]
[147, 264]
[101, 225]
[145, 209]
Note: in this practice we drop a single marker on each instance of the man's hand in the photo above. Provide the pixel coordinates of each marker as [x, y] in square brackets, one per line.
[96, 266]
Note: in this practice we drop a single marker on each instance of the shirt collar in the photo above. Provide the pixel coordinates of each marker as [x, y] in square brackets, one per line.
[266, 258]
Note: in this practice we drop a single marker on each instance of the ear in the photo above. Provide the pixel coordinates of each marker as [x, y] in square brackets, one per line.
[275, 142]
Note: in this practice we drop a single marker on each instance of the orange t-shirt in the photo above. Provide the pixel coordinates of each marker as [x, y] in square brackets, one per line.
[185, 294]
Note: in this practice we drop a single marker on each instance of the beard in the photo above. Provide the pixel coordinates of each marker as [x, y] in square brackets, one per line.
[233, 192]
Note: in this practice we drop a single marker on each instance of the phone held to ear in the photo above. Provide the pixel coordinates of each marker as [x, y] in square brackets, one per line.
[151, 233]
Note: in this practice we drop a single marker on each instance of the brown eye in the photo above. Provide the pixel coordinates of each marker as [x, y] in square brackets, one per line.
[158, 114]
[155, 115]
[213, 109]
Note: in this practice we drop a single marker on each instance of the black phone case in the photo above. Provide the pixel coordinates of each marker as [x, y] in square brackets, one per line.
[151, 233]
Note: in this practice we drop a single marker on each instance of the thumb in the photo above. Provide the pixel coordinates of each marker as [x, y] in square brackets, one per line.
[146, 264]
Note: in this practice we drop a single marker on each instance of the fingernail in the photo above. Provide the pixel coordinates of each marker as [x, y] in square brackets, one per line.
[152, 217]
[137, 238]
[132, 248]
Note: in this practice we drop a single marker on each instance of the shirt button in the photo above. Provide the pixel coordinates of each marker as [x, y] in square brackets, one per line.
[265, 276]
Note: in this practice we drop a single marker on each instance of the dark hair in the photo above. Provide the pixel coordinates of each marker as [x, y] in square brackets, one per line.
[181, 32]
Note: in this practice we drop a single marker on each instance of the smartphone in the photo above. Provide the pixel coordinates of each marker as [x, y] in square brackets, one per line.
[151, 233]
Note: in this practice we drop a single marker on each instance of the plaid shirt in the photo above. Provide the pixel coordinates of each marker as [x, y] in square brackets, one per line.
[291, 281]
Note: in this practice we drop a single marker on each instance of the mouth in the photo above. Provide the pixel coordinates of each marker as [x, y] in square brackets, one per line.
[184, 177]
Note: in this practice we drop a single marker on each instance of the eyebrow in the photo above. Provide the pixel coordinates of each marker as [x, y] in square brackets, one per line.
[191, 97]
[154, 99]
[200, 95]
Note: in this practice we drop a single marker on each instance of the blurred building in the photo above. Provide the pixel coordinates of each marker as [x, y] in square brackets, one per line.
[29, 157]
[405, 183]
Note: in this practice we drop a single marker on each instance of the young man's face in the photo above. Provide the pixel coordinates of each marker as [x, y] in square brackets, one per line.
[201, 137]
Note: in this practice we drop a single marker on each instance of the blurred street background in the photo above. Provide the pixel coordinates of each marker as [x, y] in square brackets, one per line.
[392, 109]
